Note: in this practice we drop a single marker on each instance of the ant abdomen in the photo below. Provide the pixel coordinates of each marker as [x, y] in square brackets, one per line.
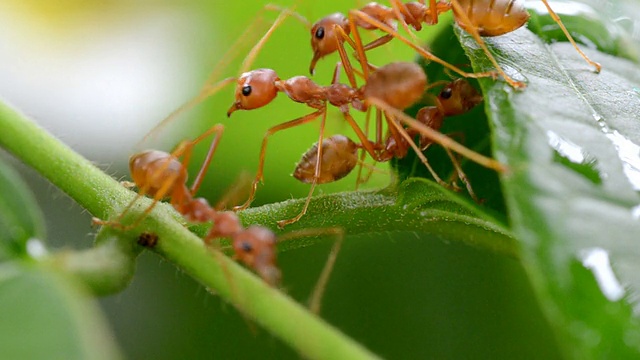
[339, 157]
[152, 169]
[493, 17]
[399, 84]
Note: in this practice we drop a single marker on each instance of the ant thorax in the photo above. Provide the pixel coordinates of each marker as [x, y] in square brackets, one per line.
[303, 90]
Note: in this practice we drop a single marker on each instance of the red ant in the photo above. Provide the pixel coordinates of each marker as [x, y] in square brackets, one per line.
[477, 17]
[160, 174]
[390, 88]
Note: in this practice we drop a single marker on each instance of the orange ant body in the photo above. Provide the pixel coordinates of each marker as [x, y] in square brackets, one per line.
[477, 17]
[162, 175]
[391, 88]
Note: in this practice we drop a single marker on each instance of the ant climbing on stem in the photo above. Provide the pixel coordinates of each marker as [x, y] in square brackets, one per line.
[393, 86]
[477, 17]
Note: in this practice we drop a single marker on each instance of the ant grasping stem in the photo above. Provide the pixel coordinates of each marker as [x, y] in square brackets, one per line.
[160, 174]
[477, 17]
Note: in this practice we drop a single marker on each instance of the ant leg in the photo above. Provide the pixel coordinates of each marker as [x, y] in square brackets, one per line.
[365, 143]
[556, 18]
[358, 47]
[461, 175]
[461, 16]
[248, 61]
[217, 129]
[234, 192]
[162, 192]
[402, 132]
[438, 137]
[316, 176]
[205, 93]
[211, 87]
[344, 58]
[315, 300]
[303, 20]
[404, 16]
[289, 124]
[362, 151]
[424, 53]
[371, 170]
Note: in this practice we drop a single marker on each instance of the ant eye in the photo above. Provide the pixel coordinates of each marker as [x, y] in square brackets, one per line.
[446, 93]
[246, 90]
[246, 247]
[320, 33]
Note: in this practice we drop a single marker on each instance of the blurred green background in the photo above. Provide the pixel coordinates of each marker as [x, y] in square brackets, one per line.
[100, 75]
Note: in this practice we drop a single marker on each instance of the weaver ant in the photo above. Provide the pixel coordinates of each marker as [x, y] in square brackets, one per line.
[163, 175]
[477, 17]
[390, 88]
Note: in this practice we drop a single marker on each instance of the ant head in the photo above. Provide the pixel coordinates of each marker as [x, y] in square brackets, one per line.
[324, 39]
[256, 248]
[458, 97]
[254, 89]
[151, 170]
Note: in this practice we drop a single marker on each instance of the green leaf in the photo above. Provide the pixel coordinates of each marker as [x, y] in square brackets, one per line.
[586, 25]
[46, 316]
[415, 205]
[21, 219]
[570, 140]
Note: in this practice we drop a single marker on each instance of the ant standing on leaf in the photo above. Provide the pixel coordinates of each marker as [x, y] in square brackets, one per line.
[477, 17]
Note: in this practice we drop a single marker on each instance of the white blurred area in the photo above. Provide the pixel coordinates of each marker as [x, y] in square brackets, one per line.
[98, 76]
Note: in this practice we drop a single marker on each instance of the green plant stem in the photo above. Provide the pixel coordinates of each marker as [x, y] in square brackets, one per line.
[104, 197]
